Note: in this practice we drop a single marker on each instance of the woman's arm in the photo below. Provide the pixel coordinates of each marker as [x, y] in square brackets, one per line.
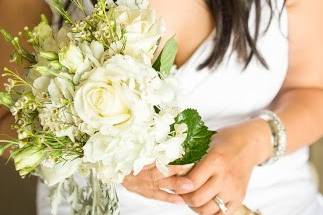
[15, 15]
[300, 103]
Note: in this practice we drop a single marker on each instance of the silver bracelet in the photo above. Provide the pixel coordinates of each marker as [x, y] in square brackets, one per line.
[278, 135]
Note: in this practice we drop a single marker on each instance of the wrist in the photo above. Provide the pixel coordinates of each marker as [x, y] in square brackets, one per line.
[249, 141]
[260, 141]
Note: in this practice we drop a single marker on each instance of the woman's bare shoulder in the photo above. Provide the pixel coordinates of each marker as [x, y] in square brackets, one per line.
[305, 43]
[190, 20]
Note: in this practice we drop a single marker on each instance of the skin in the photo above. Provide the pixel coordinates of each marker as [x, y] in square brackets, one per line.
[225, 171]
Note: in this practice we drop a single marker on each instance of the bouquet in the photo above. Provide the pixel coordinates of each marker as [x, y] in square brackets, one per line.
[97, 103]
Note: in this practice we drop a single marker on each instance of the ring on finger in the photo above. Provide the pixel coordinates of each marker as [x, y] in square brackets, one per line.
[220, 203]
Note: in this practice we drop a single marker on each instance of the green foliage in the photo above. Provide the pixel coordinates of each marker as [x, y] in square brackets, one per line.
[19, 53]
[58, 5]
[101, 26]
[198, 137]
[6, 99]
[166, 59]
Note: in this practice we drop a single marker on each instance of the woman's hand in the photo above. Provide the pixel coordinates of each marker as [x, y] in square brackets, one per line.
[226, 169]
[147, 183]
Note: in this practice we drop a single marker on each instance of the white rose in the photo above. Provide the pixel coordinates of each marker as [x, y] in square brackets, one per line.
[102, 105]
[110, 97]
[143, 32]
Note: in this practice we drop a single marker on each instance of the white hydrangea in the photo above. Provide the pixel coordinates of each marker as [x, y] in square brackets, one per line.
[117, 156]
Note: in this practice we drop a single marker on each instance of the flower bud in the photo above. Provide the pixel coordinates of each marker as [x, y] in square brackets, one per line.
[5, 99]
[51, 56]
[27, 159]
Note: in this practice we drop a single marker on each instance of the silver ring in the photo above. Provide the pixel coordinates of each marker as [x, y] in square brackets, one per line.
[220, 203]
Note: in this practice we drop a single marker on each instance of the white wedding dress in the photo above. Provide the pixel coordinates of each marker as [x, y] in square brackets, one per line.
[228, 96]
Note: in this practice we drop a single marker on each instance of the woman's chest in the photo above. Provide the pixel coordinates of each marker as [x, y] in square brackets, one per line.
[229, 94]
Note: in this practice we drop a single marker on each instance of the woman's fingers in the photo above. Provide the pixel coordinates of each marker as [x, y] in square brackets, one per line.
[209, 208]
[204, 194]
[161, 196]
[198, 176]
[166, 197]
[152, 179]
[201, 173]
[176, 184]
[152, 173]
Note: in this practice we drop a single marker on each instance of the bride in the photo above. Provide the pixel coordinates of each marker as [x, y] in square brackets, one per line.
[253, 69]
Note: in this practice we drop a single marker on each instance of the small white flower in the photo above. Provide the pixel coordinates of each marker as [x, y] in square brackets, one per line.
[162, 124]
[169, 151]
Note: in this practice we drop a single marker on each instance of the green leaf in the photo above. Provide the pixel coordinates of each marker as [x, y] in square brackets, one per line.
[198, 137]
[5, 99]
[166, 58]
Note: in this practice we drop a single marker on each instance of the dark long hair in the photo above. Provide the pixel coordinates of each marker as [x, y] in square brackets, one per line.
[232, 27]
